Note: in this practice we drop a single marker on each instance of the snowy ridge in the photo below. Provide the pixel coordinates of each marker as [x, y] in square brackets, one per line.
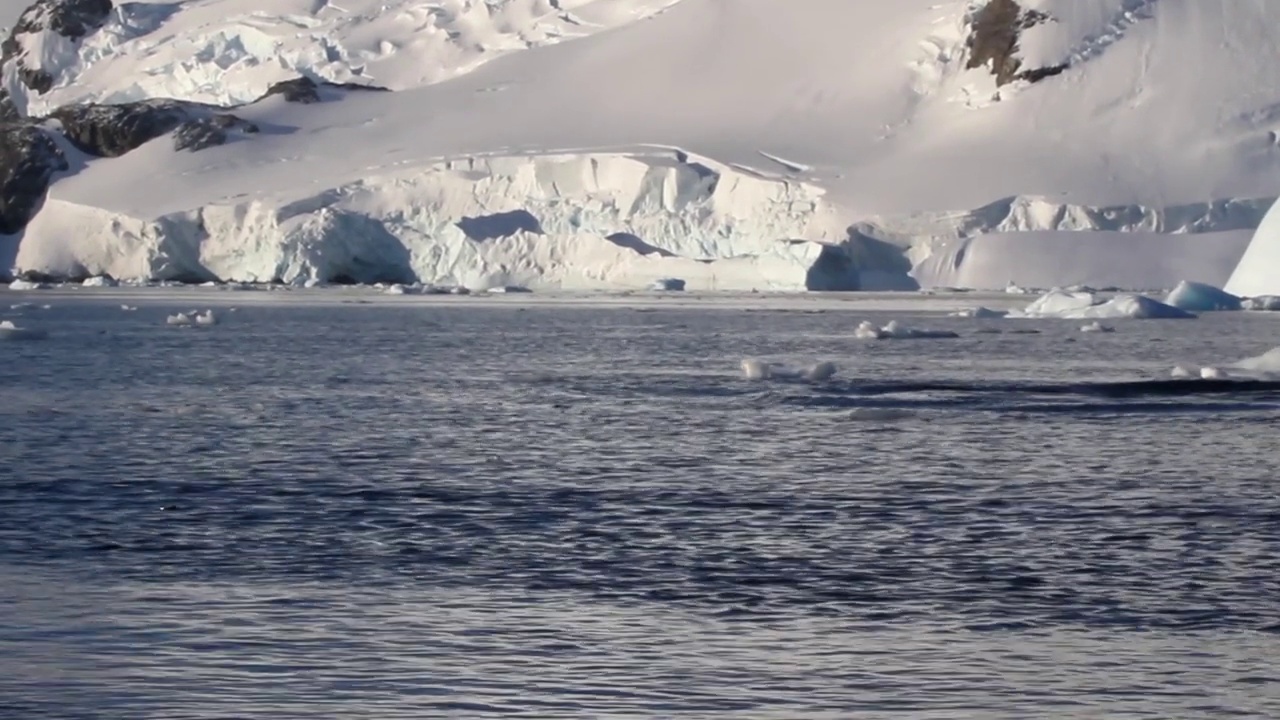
[582, 220]
[228, 52]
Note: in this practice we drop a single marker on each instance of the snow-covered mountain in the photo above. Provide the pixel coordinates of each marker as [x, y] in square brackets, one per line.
[609, 143]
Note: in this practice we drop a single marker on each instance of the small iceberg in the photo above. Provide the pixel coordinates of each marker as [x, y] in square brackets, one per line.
[129, 308]
[100, 281]
[206, 318]
[1181, 373]
[9, 331]
[1212, 373]
[1097, 327]
[868, 330]
[21, 284]
[1058, 303]
[1268, 363]
[1201, 297]
[179, 319]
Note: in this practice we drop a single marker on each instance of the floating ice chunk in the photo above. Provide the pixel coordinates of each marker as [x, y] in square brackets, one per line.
[1268, 362]
[506, 289]
[980, 313]
[1180, 373]
[394, 289]
[128, 308]
[9, 331]
[1057, 303]
[1097, 327]
[100, 281]
[179, 319]
[756, 370]
[867, 330]
[819, 372]
[1200, 297]
[1014, 289]
[206, 318]
[672, 284]
[21, 306]
[1262, 302]
[21, 284]
[1212, 373]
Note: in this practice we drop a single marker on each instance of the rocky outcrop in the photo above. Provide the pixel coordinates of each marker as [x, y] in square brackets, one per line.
[995, 31]
[69, 19]
[113, 130]
[28, 159]
[305, 90]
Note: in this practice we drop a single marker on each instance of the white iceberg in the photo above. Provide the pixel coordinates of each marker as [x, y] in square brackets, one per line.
[1201, 297]
[1262, 302]
[21, 284]
[1058, 302]
[100, 281]
[1212, 373]
[9, 331]
[206, 318]
[1181, 373]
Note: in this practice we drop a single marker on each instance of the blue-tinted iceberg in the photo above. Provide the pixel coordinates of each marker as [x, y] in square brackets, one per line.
[1201, 297]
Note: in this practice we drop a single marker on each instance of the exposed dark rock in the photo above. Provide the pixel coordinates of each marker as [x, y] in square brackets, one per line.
[28, 158]
[297, 90]
[996, 29]
[305, 90]
[113, 130]
[72, 19]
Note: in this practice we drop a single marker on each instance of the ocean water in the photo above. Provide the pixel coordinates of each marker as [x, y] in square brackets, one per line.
[499, 508]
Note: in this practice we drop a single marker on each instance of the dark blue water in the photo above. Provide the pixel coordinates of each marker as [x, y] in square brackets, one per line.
[453, 510]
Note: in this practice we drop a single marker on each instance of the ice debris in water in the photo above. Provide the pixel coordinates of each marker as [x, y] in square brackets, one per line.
[759, 370]
[9, 331]
[1097, 327]
[820, 371]
[1212, 373]
[756, 370]
[21, 284]
[1180, 373]
[198, 318]
[867, 330]
[128, 308]
[980, 313]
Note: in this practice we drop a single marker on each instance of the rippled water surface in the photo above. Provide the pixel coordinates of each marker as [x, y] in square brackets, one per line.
[449, 509]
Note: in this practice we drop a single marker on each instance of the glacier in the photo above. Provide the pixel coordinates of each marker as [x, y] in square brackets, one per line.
[546, 145]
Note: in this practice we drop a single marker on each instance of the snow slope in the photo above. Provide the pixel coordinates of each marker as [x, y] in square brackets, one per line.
[714, 132]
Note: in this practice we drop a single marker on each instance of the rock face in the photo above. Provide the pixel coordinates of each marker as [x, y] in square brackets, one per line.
[305, 90]
[69, 19]
[993, 41]
[113, 130]
[28, 159]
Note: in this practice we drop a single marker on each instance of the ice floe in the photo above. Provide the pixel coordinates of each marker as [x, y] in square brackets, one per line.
[894, 330]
